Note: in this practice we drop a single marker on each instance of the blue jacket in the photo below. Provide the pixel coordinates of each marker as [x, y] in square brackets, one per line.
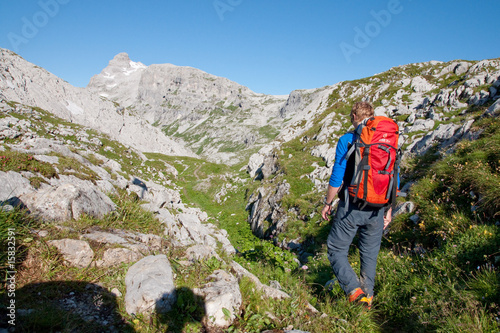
[340, 164]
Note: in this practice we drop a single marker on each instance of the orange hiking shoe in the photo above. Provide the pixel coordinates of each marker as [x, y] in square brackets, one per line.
[356, 295]
[366, 302]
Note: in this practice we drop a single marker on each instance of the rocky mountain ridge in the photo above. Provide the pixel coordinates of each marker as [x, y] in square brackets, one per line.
[26, 83]
[216, 117]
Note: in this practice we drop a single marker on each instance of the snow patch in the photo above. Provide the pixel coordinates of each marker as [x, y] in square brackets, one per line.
[137, 65]
[108, 76]
[134, 67]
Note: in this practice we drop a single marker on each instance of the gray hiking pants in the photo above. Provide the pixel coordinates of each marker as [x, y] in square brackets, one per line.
[370, 224]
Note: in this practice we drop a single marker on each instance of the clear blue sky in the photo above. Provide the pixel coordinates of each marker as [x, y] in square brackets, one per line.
[270, 46]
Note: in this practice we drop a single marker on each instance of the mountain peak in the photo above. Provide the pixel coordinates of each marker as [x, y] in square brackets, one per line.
[120, 58]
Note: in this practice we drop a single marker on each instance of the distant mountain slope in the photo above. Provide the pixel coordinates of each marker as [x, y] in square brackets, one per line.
[26, 83]
[217, 118]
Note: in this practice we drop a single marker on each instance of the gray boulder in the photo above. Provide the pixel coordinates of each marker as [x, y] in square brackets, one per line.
[75, 252]
[199, 252]
[13, 185]
[68, 201]
[420, 125]
[494, 109]
[150, 286]
[136, 242]
[220, 295]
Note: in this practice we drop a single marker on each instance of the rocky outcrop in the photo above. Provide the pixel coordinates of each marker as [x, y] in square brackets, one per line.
[68, 201]
[269, 291]
[266, 216]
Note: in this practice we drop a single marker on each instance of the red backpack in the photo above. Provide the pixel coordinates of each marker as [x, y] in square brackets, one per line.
[374, 158]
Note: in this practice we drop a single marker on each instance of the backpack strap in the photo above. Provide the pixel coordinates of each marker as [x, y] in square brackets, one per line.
[394, 188]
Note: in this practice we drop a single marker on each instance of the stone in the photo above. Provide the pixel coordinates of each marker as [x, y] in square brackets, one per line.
[420, 125]
[199, 252]
[150, 286]
[75, 252]
[137, 242]
[116, 256]
[494, 109]
[116, 292]
[13, 185]
[404, 208]
[220, 295]
[266, 203]
[68, 201]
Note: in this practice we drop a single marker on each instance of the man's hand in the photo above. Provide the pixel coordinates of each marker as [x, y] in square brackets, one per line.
[327, 210]
[387, 218]
[330, 195]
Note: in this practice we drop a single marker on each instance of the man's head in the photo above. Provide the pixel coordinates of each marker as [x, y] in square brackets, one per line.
[360, 111]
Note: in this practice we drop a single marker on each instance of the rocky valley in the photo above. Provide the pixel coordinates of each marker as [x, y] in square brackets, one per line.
[159, 188]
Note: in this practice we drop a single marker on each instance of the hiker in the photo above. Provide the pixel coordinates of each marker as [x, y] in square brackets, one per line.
[354, 216]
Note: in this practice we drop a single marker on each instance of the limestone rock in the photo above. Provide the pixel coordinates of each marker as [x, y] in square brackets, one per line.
[241, 272]
[419, 84]
[150, 286]
[199, 252]
[139, 243]
[13, 185]
[75, 252]
[265, 205]
[116, 256]
[68, 201]
[221, 293]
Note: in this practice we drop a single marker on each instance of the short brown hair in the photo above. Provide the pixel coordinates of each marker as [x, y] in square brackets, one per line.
[362, 110]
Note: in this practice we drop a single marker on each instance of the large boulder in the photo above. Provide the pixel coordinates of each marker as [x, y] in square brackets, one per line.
[222, 298]
[13, 185]
[150, 286]
[68, 201]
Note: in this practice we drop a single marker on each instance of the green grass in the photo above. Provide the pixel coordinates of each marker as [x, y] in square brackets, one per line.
[16, 161]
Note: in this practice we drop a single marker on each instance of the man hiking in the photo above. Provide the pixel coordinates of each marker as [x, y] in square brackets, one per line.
[354, 215]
